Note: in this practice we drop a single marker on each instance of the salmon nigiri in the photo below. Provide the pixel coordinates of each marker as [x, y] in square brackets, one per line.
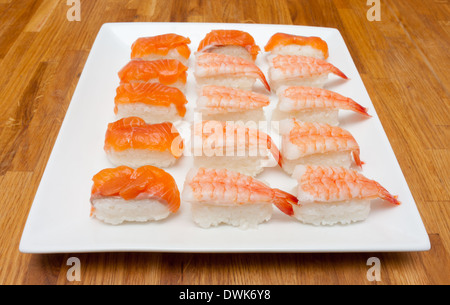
[124, 194]
[162, 46]
[233, 146]
[330, 195]
[288, 44]
[153, 102]
[290, 70]
[170, 72]
[230, 104]
[314, 105]
[223, 196]
[316, 144]
[230, 42]
[132, 142]
[225, 70]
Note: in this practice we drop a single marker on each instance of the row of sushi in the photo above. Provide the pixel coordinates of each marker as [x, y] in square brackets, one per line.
[309, 114]
[150, 96]
[224, 185]
[225, 74]
[325, 195]
[133, 142]
[153, 83]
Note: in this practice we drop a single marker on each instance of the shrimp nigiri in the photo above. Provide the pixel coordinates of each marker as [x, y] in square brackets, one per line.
[170, 72]
[223, 196]
[329, 195]
[225, 70]
[230, 42]
[170, 46]
[290, 70]
[233, 146]
[314, 105]
[316, 144]
[230, 104]
[124, 194]
[288, 44]
[132, 142]
[153, 102]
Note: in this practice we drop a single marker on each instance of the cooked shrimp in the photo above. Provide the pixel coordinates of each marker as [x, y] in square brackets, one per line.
[290, 70]
[223, 138]
[299, 98]
[219, 99]
[220, 69]
[224, 187]
[316, 144]
[337, 184]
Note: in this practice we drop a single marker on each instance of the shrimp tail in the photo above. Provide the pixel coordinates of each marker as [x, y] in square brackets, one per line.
[390, 198]
[358, 108]
[357, 158]
[385, 195]
[284, 202]
[264, 80]
[338, 72]
[275, 151]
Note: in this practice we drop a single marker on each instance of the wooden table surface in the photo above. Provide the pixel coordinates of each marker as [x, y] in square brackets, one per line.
[403, 60]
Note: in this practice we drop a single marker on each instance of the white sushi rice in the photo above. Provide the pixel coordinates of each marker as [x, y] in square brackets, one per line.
[239, 82]
[236, 51]
[243, 216]
[326, 116]
[247, 165]
[319, 213]
[294, 49]
[116, 210]
[172, 54]
[149, 113]
[340, 158]
[278, 79]
[256, 115]
[139, 157]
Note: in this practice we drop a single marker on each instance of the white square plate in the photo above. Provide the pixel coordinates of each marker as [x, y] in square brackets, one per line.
[59, 218]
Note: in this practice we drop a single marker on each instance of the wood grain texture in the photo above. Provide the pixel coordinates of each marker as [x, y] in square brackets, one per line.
[403, 60]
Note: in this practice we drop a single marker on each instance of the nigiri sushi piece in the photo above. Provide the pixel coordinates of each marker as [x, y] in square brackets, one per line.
[170, 72]
[316, 144]
[291, 70]
[132, 142]
[230, 104]
[230, 42]
[223, 196]
[171, 46]
[124, 194]
[153, 102]
[313, 105]
[233, 146]
[288, 44]
[330, 195]
[229, 71]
